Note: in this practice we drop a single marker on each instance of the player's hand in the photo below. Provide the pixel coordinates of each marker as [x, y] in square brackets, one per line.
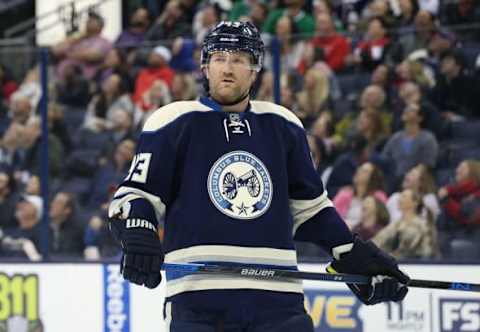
[142, 250]
[365, 258]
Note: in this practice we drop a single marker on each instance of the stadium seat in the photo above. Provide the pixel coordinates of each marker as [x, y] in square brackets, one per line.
[465, 130]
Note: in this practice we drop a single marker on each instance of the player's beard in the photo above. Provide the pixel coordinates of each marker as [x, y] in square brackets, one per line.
[233, 98]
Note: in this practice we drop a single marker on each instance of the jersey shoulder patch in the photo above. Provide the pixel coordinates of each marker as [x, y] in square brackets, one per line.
[169, 113]
[266, 107]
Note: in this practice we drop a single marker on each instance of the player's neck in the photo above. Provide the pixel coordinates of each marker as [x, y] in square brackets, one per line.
[237, 108]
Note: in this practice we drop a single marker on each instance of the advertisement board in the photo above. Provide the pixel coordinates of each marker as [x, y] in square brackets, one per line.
[95, 298]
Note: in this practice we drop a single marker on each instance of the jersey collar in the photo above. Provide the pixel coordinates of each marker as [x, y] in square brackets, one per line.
[209, 102]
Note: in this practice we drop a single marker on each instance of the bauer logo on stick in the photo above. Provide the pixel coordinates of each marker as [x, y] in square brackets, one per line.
[240, 186]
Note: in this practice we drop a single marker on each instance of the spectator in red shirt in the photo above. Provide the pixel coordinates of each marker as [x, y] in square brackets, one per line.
[460, 199]
[335, 46]
[371, 51]
[7, 85]
[158, 69]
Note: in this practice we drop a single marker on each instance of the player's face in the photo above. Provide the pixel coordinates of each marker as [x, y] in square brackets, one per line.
[230, 75]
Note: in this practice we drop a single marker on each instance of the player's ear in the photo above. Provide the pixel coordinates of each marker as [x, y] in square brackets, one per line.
[253, 76]
[205, 71]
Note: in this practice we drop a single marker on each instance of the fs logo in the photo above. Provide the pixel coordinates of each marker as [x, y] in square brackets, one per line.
[240, 186]
[459, 315]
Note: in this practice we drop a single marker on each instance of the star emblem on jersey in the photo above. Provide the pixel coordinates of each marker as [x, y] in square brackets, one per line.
[240, 186]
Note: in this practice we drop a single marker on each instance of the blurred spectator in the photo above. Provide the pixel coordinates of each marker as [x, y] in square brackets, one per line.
[313, 99]
[461, 199]
[460, 13]
[157, 96]
[368, 180]
[7, 84]
[183, 55]
[374, 218]
[412, 236]
[456, 91]
[86, 49]
[58, 126]
[115, 63]
[205, 20]
[257, 13]
[372, 99]
[98, 238]
[382, 76]
[113, 96]
[304, 22]
[20, 111]
[24, 239]
[408, 10]
[321, 7]
[158, 69]
[31, 143]
[292, 47]
[319, 156]
[265, 91]
[183, 87]
[324, 129]
[410, 93]
[254, 11]
[122, 126]
[73, 88]
[370, 126]
[372, 49]
[30, 88]
[10, 146]
[418, 39]
[431, 6]
[410, 146]
[66, 231]
[416, 72]
[111, 173]
[420, 180]
[134, 35]
[335, 46]
[346, 165]
[172, 23]
[8, 200]
[33, 185]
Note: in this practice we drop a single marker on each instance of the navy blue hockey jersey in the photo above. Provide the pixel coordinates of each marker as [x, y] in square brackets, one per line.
[232, 188]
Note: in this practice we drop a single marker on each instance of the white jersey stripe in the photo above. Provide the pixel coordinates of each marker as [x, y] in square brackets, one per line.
[265, 107]
[126, 194]
[168, 316]
[302, 210]
[233, 254]
[200, 282]
[169, 113]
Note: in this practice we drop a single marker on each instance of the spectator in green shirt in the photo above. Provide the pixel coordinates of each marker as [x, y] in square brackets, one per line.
[304, 22]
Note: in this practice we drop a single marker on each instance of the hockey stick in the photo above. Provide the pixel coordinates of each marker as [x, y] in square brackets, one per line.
[274, 274]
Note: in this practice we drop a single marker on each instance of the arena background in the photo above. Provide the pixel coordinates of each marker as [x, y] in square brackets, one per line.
[57, 286]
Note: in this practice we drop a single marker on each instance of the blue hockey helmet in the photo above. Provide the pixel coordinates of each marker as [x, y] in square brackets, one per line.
[234, 36]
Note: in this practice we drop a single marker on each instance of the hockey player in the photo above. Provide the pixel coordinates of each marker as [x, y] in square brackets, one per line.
[234, 183]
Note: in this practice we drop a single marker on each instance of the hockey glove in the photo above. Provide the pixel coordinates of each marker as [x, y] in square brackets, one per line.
[365, 258]
[134, 226]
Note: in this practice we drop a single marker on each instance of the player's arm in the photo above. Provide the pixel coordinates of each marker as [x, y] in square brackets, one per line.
[139, 204]
[317, 221]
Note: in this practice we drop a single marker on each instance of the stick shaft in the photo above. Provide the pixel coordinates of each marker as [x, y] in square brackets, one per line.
[275, 274]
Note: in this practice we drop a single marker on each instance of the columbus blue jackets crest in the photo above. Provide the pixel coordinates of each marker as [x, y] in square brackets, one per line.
[240, 186]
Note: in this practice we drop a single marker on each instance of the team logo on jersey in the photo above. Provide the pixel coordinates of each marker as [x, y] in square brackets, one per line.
[240, 186]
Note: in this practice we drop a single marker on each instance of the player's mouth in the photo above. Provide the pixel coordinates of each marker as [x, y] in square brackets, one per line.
[227, 80]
